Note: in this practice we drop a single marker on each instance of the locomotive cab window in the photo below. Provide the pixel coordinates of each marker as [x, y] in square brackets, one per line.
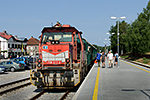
[61, 36]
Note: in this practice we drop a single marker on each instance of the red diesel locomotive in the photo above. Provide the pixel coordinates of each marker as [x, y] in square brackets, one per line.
[64, 58]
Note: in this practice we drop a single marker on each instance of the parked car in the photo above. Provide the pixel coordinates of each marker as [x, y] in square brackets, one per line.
[12, 66]
[22, 64]
[21, 60]
[3, 69]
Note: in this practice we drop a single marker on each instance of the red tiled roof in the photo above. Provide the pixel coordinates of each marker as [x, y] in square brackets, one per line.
[6, 36]
[33, 41]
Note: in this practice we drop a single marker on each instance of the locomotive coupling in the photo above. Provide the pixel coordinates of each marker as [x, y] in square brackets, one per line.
[68, 74]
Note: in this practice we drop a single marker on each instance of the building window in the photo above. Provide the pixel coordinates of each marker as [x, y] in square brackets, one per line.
[8, 45]
[19, 46]
[12, 45]
[15, 45]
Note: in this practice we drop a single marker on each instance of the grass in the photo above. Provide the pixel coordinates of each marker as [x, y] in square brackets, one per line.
[134, 58]
[145, 60]
[125, 57]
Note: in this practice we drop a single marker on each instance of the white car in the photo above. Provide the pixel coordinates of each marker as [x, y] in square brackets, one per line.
[3, 69]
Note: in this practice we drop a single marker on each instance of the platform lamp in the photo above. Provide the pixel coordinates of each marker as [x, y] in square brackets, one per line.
[118, 34]
[110, 38]
[99, 46]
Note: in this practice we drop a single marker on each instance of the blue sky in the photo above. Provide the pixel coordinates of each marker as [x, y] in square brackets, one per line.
[27, 18]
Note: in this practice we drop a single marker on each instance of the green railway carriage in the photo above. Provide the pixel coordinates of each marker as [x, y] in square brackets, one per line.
[91, 51]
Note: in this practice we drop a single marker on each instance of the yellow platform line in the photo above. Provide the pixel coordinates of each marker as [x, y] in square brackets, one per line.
[136, 67]
[95, 94]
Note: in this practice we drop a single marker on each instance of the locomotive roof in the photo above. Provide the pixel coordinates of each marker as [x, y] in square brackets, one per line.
[88, 43]
[57, 29]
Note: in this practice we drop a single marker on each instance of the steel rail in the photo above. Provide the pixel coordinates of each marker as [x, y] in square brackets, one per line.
[3, 85]
[64, 96]
[38, 95]
[14, 88]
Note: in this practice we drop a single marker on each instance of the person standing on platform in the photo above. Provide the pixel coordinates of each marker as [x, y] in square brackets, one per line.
[110, 59]
[98, 58]
[103, 58]
[116, 59]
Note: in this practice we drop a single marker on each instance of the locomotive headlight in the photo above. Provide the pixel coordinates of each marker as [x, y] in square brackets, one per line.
[39, 63]
[52, 42]
[67, 65]
[67, 62]
[57, 41]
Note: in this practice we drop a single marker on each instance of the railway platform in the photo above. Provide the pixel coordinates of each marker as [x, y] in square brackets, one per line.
[128, 82]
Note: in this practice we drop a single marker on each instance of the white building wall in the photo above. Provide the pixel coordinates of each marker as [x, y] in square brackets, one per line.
[32, 49]
[4, 47]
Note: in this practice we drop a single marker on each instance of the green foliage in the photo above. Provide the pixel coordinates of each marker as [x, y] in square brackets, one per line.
[126, 56]
[134, 37]
[145, 61]
[144, 58]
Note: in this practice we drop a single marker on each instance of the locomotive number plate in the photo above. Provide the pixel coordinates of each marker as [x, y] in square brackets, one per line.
[54, 62]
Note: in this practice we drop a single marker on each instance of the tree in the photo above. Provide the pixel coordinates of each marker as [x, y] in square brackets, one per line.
[123, 26]
[134, 38]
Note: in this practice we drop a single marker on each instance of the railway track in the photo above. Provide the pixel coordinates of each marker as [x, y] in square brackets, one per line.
[44, 91]
[64, 96]
[8, 87]
[38, 95]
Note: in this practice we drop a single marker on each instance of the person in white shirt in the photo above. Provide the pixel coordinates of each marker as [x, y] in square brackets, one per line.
[110, 59]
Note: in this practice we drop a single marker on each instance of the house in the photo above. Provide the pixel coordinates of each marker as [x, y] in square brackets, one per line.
[32, 46]
[11, 46]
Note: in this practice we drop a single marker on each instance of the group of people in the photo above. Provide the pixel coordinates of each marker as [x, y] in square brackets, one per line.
[102, 58]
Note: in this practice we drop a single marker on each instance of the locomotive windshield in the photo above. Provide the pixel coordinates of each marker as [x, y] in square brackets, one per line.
[61, 36]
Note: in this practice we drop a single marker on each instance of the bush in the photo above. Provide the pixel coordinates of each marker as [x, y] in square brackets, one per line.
[144, 58]
[145, 61]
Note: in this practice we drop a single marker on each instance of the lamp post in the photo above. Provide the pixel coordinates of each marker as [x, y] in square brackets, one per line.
[105, 47]
[110, 38]
[99, 46]
[118, 34]
[105, 42]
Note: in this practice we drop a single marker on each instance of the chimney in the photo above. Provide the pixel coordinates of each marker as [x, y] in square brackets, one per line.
[4, 32]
